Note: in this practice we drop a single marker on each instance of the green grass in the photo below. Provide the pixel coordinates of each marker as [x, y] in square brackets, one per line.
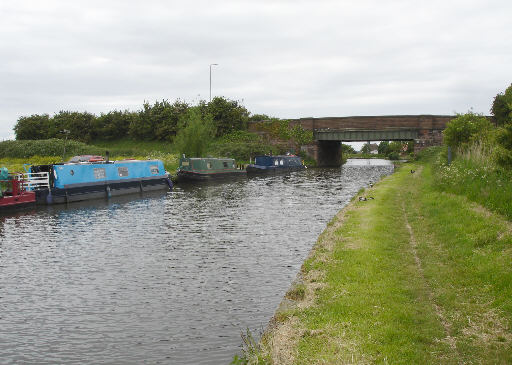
[129, 146]
[416, 276]
[479, 181]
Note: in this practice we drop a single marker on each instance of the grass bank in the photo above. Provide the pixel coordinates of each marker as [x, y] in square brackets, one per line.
[415, 276]
[475, 177]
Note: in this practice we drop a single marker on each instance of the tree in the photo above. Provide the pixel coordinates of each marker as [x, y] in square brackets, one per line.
[144, 127]
[259, 117]
[167, 126]
[395, 146]
[365, 149]
[502, 107]
[228, 115]
[79, 125]
[465, 128]
[195, 133]
[113, 125]
[347, 149]
[33, 127]
[383, 148]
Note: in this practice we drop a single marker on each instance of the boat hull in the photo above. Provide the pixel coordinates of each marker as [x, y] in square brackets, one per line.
[255, 169]
[24, 200]
[105, 190]
[199, 176]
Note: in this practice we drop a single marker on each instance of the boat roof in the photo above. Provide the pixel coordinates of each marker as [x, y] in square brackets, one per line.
[207, 158]
[280, 156]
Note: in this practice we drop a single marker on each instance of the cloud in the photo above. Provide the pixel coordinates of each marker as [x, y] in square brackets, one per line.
[285, 58]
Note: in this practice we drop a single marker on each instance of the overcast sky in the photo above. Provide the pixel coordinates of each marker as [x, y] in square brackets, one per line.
[287, 59]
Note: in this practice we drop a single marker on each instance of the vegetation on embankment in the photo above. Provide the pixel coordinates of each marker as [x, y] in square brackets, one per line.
[415, 275]
[240, 145]
[163, 130]
[475, 176]
[14, 154]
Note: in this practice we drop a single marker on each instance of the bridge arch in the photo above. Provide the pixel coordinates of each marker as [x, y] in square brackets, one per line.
[329, 133]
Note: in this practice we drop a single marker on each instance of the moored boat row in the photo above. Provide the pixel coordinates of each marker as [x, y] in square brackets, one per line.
[92, 177]
[200, 169]
[83, 178]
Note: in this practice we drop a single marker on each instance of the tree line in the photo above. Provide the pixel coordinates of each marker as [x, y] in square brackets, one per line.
[159, 121]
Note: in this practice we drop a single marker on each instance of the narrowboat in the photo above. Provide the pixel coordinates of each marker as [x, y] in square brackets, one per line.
[92, 177]
[201, 169]
[275, 164]
[13, 192]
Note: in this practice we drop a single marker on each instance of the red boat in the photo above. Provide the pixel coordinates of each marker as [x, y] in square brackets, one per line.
[13, 193]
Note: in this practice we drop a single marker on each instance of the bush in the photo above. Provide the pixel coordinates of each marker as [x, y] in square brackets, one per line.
[465, 128]
[504, 149]
[195, 134]
[394, 156]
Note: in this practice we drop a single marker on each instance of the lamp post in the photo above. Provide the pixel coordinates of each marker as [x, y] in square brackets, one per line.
[66, 132]
[212, 64]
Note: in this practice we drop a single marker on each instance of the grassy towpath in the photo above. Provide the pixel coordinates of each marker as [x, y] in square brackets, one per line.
[414, 276]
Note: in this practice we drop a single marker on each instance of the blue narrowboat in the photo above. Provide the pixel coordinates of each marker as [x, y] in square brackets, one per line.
[93, 178]
[275, 164]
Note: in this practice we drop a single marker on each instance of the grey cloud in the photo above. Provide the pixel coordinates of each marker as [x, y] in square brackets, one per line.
[283, 58]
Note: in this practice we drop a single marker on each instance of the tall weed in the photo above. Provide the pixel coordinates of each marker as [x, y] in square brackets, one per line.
[474, 175]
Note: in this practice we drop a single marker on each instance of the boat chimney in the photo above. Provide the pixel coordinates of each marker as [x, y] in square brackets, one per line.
[107, 154]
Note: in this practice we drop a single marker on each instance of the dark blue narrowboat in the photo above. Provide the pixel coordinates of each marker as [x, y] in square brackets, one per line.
[275, 164]
[94, 178]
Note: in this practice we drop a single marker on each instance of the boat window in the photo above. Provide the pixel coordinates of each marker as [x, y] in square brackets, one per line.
[209, 165]
[122, 171]
[99, 173]
[276, 162]
[225, 164]
[154, 169]
[281, 162]
[184, 163]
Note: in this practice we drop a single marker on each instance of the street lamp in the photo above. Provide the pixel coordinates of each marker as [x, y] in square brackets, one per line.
[213, 64]
[66, 132]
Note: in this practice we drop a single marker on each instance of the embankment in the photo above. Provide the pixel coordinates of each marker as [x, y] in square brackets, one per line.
[415, 275]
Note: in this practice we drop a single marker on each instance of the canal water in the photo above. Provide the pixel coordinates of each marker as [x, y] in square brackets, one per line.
[167, 278]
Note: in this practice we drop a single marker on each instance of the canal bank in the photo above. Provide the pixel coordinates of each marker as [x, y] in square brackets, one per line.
[414, 275]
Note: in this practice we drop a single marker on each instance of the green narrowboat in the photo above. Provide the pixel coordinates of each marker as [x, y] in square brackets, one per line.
[200, 169]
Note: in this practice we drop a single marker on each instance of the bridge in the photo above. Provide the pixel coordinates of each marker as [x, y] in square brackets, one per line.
[329, 133]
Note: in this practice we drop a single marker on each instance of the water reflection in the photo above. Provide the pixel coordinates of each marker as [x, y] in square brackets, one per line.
[169, 278]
